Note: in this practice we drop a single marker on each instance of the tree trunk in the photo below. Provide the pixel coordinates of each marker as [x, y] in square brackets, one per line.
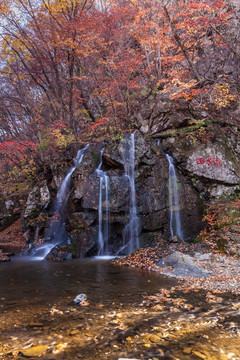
[181, 45]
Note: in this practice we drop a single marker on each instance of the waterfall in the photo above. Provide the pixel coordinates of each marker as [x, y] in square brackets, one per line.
[174, 205]
[132, 229]
[103, 225]
[57, 232]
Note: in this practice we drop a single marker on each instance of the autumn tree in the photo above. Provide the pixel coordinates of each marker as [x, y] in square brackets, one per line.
[84, 60]
[42, 51]
[42, 95]
[69, 67]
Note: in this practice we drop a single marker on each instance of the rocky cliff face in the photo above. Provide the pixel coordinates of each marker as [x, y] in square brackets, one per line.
[10, 210]
[210, 160]
[151, 182]
[207, 166]
[35, 213]
[161, 114]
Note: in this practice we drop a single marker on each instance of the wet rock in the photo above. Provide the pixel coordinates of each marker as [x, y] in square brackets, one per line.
[128, 359]
[85, 194]
[74, 332]
[83, 242]
[151, 188]
[58, 253]
[199, 355]
[151, 184]
[175, 239]
[89, 164]
[34, 351]
[155, 339]
[81, 220]
[187, 350]
[119, 194]
[82, 230]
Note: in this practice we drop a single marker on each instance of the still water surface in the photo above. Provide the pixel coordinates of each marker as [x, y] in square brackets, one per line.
[37, 314]
[54, 282]
[36, 306]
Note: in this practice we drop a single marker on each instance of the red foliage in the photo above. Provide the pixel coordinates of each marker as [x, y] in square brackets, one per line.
[99, 122]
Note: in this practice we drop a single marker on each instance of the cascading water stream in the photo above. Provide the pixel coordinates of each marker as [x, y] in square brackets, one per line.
[57, 233]
[103, 225]
[132, 229]
[174, 205]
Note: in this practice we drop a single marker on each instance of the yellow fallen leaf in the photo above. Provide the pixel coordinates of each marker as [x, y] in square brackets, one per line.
[158, 307]
[85, 303]
[60, 348]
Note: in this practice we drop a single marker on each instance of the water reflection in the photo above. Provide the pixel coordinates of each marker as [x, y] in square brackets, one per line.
[57, 282]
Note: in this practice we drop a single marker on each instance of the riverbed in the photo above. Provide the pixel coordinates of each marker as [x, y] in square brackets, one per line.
[129, 313]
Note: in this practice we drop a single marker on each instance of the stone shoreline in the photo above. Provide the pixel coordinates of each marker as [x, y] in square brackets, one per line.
[195, 266]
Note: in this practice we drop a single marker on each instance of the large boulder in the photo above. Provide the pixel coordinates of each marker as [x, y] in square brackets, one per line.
[159, 113]
[182, 265]
[38, 199]
[35, 216]
[210, 160]
[82, 229]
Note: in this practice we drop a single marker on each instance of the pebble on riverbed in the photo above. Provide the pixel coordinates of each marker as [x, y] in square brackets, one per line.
[80, 299]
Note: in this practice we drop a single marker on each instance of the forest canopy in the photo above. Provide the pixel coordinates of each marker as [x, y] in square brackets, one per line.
[71, 69]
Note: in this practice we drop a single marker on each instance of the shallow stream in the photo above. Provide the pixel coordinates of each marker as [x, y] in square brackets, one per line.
[122, 318]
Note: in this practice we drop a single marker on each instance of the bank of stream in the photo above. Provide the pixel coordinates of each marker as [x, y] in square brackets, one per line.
[129, 313]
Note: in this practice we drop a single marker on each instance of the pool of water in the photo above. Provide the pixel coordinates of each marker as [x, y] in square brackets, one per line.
[54, 282]
[36, 304]
[121, 319]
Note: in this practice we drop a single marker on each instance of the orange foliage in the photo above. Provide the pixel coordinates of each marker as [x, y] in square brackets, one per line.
[74, 69]
[218, 219]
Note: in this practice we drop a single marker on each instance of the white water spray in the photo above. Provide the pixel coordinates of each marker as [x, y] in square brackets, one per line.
[174, 205]
[103, 225]
[57, 233]
[132, 229]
